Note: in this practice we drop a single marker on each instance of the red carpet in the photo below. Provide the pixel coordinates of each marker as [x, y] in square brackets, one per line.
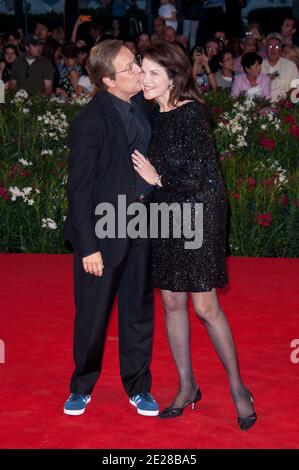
[36, 318]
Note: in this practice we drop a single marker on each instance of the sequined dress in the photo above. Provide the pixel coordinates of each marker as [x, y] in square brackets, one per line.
[182, 151]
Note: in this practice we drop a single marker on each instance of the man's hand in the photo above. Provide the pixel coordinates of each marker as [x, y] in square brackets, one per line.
[93, 264]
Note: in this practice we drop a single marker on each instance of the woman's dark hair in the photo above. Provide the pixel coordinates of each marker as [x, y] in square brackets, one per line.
[96, 26]
[179, 44]
[83, 65]
[15, 49]
[234, 46]
[220, 42]
[107, 36]
[70, 51]
[222, 54]
[8, 66]
[83, 50]
[129, 38]
[192, 52]
[249, 59]
[49, 49]
[220, 57]
[178, 69]
[15, 34]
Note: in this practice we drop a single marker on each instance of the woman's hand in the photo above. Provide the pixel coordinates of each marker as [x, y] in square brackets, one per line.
[205, 61]
[61, 92]
[145, 169]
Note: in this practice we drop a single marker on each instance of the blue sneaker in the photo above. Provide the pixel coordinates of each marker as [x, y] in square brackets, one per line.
[75, 405]
[145, 404]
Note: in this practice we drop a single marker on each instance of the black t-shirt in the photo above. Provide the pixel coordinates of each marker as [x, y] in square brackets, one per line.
[30, 77]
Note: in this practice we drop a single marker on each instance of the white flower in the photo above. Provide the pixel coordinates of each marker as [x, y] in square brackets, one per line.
[282, 178]
[25, 110]
[49, 223]
[27, 191]
[15, 192]
[58, 99]
[55, 125]
[282, 174]
[20, 96]
[47, 152]
[24, 162]
[23, 193]
[80, 100]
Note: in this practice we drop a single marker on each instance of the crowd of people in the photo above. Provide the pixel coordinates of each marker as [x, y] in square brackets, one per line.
[254, 65]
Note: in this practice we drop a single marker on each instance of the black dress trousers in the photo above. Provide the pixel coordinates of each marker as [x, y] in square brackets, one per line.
[94, 298]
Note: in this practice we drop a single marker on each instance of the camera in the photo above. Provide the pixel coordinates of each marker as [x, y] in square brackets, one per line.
[198, 50]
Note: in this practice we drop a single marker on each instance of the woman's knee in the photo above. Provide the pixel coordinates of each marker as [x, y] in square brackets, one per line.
[174, 304]
[207, 311]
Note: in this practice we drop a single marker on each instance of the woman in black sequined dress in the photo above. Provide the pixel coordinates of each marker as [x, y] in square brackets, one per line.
[182, 165]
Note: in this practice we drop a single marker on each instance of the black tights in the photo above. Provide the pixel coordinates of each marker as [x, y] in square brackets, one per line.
[178, 332]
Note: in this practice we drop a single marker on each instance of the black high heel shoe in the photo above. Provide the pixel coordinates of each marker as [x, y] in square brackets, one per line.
[248, 422]
[175, 412]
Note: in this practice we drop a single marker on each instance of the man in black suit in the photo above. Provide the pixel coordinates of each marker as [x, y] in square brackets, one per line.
[101, 141]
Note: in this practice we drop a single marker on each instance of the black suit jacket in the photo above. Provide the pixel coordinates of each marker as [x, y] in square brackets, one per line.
[100, 169]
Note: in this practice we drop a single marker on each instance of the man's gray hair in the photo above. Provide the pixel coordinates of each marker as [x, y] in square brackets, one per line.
[274, 36]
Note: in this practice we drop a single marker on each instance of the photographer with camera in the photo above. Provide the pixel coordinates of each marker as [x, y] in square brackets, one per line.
[202, 73]
[281, 71]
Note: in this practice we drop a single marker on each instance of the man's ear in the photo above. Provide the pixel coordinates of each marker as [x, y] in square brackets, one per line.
[108, 82]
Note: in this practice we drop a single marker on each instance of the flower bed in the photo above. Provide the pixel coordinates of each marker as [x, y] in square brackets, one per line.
[257, 146]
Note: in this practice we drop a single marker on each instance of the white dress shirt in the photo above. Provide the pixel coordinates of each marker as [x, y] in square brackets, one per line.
[287, 72]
